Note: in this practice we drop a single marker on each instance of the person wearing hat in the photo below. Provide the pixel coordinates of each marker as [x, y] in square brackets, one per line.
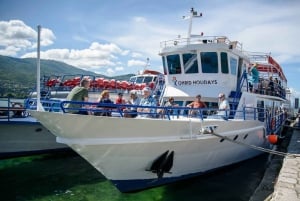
[223, 106]
[147, 100]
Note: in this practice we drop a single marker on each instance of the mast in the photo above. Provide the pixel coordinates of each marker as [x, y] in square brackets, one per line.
[38, 73]
[190, 17]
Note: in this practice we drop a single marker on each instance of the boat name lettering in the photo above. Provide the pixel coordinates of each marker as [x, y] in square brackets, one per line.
[195, 82]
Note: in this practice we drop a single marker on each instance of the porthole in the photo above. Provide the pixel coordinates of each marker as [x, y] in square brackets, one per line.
[235, 137]
[245, 136]
[222, 140]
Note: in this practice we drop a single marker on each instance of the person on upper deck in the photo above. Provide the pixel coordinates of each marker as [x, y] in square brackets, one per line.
[147, 100]
[255, 77]
[80, 94]
[271, 86]
[197, 103]
[223, 106]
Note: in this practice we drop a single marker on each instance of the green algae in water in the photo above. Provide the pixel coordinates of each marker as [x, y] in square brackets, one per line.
[64, 177]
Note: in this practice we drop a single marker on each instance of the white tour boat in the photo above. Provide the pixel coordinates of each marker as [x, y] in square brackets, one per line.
[143, 152]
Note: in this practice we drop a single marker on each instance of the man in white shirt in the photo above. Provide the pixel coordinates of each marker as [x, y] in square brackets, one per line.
[223, 106]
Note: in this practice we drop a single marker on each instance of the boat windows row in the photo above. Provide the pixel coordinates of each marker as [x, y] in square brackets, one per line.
[203, 62]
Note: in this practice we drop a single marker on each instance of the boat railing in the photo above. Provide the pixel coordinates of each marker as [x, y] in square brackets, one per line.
[12, 108]
[272, 120]
[51, 105]
[199, 39]
[247, 113]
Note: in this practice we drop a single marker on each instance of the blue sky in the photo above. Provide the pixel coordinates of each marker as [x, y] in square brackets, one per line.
[116, 37]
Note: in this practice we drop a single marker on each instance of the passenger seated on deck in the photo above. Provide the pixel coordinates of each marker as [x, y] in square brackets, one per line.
[104, 98]
[131, 112]
[223, 106]
[169, 103]
[80, 94]
[120, 100]
[197, 103]
[147, 100]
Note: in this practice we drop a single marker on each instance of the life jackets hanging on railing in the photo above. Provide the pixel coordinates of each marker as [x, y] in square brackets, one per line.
[105, 83]
[67, 83]
[112, 84]
[100, 82]
[75, 81]
[143, 85]
[118, 84]
[130, 86]
[124, 85]
[52, 82]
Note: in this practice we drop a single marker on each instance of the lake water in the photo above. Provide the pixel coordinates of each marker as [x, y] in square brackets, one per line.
[61, 177]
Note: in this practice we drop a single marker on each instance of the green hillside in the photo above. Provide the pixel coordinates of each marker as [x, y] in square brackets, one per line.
[18, 76]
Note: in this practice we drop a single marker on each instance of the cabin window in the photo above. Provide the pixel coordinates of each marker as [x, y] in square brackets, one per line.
[209, 61]
[164, 65]
[132, 79]
[174, 64]
[139, 80]
[233, 65]
[190, 63]
[148, 79]
[224, 63]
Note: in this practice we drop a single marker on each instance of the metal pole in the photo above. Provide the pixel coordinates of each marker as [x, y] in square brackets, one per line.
[38, 76]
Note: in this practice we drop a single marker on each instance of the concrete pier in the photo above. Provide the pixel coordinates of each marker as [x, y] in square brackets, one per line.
[287, 187]
[281, 181]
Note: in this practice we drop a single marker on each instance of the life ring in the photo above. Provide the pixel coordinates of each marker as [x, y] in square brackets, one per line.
[175, 42]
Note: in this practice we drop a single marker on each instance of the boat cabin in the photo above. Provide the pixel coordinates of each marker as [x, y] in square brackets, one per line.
[202, 65]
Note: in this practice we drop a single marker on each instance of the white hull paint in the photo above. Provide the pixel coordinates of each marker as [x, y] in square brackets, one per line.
[123, 149]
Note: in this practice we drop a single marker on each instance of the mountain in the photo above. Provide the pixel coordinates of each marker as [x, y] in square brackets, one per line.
[18, 76]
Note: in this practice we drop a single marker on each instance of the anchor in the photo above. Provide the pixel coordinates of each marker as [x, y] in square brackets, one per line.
[162, 164]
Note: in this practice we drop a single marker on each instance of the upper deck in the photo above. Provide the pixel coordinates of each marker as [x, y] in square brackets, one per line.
[196, 40]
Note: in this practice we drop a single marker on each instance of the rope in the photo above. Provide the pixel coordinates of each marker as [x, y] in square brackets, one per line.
[256, 147]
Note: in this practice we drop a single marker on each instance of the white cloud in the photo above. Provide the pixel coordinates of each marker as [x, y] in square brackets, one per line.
[47, 37]
[136, 55]
[93, 58]
[119, 68]
[135, 63]
[110, 72]
[16, 36]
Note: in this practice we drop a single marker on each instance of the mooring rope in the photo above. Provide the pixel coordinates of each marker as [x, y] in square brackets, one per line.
[256, 147]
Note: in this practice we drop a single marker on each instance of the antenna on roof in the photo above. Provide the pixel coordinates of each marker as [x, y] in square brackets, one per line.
[147, 64]
[193, 14]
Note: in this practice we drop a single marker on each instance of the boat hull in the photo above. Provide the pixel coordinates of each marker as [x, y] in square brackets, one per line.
[20, 137]
[126, 151]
